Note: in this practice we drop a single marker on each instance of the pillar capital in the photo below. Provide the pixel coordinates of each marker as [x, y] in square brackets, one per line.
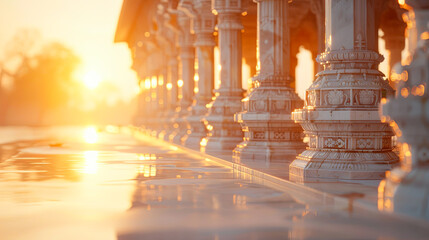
[204, 23]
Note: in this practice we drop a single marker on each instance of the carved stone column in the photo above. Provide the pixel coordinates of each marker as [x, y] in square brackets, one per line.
[406, 189]
[269, 132]
[347, 138]
[139, 67]
[187, 58]
[224, 134]
[173, 77]
[203, 23]
[152, 60]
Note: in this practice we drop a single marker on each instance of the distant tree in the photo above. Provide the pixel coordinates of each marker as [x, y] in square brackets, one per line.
[42, 76]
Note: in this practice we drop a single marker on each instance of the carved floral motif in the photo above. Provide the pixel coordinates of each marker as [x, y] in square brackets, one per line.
[365, 143]
[259, 135]
[335, 97]
[335, 143]
[366, 97]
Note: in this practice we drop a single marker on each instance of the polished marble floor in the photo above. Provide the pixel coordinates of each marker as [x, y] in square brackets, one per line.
[92, 183]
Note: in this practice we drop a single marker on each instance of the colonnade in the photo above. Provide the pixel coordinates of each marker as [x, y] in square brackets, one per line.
[336, 132]
[173, 44]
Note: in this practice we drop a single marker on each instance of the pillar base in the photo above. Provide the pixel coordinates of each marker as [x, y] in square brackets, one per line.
[406, 192]
[267, 151]
[314, 164]
[197, 132]
[180, 127]
[224, 134]
[269, 133]
[220, 145]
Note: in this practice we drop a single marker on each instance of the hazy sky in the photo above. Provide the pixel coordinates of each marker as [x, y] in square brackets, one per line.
[86, 26]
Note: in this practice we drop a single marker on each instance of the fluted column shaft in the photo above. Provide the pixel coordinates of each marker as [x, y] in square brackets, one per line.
[347, 138]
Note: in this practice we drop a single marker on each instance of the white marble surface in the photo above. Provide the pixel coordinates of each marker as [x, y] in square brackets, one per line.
[118, 188]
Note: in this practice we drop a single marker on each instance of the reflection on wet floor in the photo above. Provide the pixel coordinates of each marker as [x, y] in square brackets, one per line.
[145, 190]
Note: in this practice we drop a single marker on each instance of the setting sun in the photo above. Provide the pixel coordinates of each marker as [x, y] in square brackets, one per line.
[91, 79]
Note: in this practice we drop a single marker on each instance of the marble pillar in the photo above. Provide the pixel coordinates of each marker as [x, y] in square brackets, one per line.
[347, 140]
[269, 132]
[187, 58]
[140, 68]
[173, 103]
[406, 188]
[224, 134]
[203, 25]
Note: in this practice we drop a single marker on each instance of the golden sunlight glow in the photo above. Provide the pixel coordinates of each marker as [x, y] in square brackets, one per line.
[196, 77]
[90, 135]
[147, 156]
[91, 79]
[180, 83]
[154, 82]
[112, 129]
[196, 90]
[418, 90]
[424, 36]
[169, 86]
[147, 170]
[203, 142]
[90, 164]
[404, 92]
[160, 80]
[381, 188]
[147, 83]
[401, 2]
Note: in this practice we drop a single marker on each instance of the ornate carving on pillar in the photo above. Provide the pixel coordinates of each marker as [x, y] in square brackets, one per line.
[203, 25]
[187, 58]
[347, 140]
[224, 134]
[406, 189]
[269, 132]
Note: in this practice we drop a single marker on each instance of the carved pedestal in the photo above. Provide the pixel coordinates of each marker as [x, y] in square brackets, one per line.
[224, 134]
[269, 132]
[406, 189]
[347, 138]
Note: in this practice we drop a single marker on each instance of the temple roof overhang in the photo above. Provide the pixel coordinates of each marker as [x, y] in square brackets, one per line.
[135, 17]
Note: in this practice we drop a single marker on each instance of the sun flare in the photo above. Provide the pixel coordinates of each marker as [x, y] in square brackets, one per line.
[91, 79]
[90, 135]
